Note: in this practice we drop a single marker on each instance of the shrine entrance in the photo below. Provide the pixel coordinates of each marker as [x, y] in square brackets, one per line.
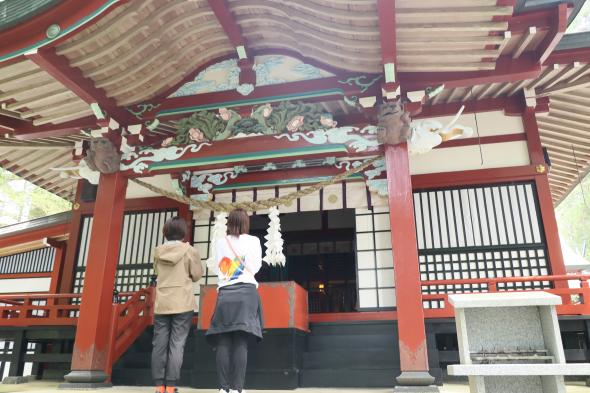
[320, 252]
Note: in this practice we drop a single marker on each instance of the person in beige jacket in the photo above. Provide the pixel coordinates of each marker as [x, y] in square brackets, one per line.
[177, 265]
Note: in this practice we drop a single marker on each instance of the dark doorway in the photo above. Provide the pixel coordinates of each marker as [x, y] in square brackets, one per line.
[319, 247]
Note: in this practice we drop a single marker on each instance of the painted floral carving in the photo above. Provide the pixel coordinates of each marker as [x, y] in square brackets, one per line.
[295, 123]
[264, 120]
[224, 113]
[266, 110]
[167, 142]
[196, 135]
[328, 121]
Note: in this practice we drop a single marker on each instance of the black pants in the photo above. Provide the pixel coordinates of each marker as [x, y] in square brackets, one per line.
[170, 333]
[232, 358]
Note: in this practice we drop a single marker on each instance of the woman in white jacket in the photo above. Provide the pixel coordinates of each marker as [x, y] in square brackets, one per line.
[238, 312]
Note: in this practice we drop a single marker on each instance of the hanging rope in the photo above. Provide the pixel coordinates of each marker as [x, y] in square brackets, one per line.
[262, 204]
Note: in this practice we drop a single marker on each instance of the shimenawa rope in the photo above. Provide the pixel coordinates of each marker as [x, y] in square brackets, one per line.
[262, 204]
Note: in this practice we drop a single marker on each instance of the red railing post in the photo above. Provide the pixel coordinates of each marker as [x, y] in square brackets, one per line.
[113, 339]
[492, 286]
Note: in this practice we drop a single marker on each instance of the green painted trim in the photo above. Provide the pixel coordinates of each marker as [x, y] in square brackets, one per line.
[271, 183]
[389, 69]
[292, 152]
[241, 52]
[66, 31]
[264, 100]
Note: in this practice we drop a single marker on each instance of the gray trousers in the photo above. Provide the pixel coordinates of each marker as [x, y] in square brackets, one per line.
[170, 333]
[232, 358]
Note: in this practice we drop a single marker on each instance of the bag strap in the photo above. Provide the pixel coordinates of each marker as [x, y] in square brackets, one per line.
[232, 248]
[236, 254]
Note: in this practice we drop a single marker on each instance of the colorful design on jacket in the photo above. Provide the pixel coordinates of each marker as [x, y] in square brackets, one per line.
[231, 268]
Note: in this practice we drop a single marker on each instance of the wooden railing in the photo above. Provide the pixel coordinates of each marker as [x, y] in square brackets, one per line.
[576, 301]
[39, 309]
[129, 320]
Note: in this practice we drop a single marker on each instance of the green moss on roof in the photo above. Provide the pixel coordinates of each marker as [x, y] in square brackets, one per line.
[13, 12]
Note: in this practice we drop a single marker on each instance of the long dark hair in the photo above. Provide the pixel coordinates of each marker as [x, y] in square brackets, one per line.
[238, 222]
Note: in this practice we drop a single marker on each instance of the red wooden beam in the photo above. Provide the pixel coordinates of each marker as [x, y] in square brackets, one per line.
[228, 22]
[507, 70]
[556, 31]
[531, 129]
[568, 56]
[234, 33]
[66, 284]
[59, 68]
[280, 175]
[71, 15]
[542, 19]
[9, 124]
[36, 234]
[29, 131]
[510, 106]
[387, 33]
[327, 88]
[473, 177]
[137, 204]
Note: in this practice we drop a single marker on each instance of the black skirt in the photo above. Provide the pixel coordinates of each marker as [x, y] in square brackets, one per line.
[238, 308]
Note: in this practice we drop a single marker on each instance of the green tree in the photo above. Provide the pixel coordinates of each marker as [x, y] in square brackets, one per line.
[573, 218]
[21, 200]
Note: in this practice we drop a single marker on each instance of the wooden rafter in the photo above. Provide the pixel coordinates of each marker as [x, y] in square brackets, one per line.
[27, 131]
[506, 70]
[331, 88]
[562, 87]
[68, 13]
[524, 42]
[233, 31]
[556, 31]
[388, 38]
[59, 68]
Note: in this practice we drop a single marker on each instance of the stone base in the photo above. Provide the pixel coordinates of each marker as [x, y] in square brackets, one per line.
[416, 389]
[84, 386]
[415, 378]
[86, 376]
[18, 380]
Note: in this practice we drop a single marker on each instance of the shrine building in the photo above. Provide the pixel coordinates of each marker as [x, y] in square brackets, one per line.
[414, 149]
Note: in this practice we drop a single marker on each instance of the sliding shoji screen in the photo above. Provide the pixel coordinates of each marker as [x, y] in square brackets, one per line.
[462, 233]
[142, 232]
[36, 261]
[375, 278]
[480, 232]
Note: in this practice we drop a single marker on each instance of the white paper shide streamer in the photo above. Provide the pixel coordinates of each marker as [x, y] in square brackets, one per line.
[218, 231]
[274, 239]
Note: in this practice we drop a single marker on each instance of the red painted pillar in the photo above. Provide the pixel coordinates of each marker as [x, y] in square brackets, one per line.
[91, 348]
[57, 272]
[410, 313]
[550, 228]
[531, 128]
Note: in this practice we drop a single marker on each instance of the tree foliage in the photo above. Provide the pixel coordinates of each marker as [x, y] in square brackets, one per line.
[573, 218]
[21, 200]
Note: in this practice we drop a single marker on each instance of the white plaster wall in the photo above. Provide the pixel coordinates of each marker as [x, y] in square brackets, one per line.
[25, 285]
[452, 159]
[137, 191]
[488, 123]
